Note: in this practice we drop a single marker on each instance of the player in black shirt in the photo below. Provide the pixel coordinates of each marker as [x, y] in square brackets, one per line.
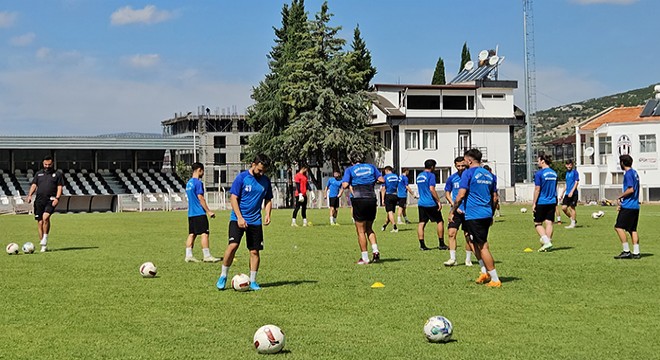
[47, 184]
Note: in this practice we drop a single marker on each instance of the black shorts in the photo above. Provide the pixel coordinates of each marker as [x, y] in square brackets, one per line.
[478, 229]
[254, 235]
[198, 225]
[429, 213]
[627, 220]
[402, 202]
[570, 201]
[333, 202]
[390, 202]
[41, 206]
[457, 221]
[364, 209]
[544, 212]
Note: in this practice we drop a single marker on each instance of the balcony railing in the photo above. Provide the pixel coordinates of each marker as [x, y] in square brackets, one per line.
[459, 151]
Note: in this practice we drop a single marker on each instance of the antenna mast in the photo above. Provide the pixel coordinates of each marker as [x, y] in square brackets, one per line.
[530, 81]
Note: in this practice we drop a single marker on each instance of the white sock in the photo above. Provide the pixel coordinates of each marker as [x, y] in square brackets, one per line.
[332, 220]
[293, 221]
[304, 221]
[374, 248]
[558, 218]
[189, 252]
[468, 256]
[493, 275]
[626, 247]
[225, 271]
[253, 276]
[572, 221]
[635, 249]
[44, 240]
[365, 256]
[483, 267]
[206, 252]
[452, 254]
[545, 239]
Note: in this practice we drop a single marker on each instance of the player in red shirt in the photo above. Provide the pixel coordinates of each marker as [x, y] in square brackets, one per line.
[300, 193]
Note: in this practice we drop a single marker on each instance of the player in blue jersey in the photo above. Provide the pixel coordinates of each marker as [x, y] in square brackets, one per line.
[389, 198]
[333, 191]
[476, 190]
[570, 195]
[628, 216]
[429, 205]
[496, 197]
[451, 191]
[403, 189]
[361, 178]
[545, 200]
[249, 190]
[198, 223]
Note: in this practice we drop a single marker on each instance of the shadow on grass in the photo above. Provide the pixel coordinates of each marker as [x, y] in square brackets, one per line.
[646, 255]
[442, 343]
[390, 260]
[506, 279]
[288, 283]
[560, 248]
[75, 248]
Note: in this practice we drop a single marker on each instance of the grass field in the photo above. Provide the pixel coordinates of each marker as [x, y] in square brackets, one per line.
[86, 300]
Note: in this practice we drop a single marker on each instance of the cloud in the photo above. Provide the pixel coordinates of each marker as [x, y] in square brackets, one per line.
[43, 53]
[613, 2]
[148, 15]
[143, 61]
[7, 19]
[23, 40]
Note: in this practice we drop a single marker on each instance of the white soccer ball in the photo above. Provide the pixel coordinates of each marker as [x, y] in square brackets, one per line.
[438, 329]
[595, 215]
[601, 213]
[240, 282]
[28, 248]
[12, 249]
[269, 339]
[523, 210]
[148, 270]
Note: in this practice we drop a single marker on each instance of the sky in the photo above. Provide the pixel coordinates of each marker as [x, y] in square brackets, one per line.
[89, 67]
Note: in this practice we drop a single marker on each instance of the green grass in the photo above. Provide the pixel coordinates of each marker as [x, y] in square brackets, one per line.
[86, 300]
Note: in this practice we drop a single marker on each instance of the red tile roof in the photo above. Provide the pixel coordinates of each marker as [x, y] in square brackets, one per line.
[619, 115]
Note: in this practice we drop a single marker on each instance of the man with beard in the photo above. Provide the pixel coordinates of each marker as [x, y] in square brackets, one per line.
[333, 192]
[47, 183]
[451, 190]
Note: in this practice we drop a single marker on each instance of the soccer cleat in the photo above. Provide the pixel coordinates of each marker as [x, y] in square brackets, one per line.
[44, 248]
[468, 263]
[424, 248]
[546, 247]
[394, 230]
[294, 225]
[400, 222]
[494, 284]
[571, 226]
[376, 257]
[408, 222]
[212, 259]
[624, 255]
[450, 262]
[254, 286]
[483, 278]
[636, 256]
[191, 259]
[362, 262]
[222, 282]
[443, 247]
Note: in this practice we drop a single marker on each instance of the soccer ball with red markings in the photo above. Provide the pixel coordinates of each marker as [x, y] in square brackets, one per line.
[240, 282]
[269, 339]
[438, 329]
[148, 270]
[12, 249]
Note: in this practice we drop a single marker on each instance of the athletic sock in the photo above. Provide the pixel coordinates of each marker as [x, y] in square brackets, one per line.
[626, 247]
[374, 248]
[304, 221]
[452, 254]
[334, 220]
[558, 218]
[395, 228]
[398, 219]
[225, 271]
[189, 252]
[44, 240]
[493, 275]
[253, 276]
[483, 267]
[293, 221]
[441, 242]
[573, 222]
[405, 218]
[545, 239]
[636, 249]
[422, 244]
[206, 252]
[365, 256]
[468, 256]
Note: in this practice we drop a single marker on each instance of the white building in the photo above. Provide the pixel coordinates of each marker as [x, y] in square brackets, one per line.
[617, 131]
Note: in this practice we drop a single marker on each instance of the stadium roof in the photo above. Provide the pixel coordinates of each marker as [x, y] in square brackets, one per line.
[125, 141]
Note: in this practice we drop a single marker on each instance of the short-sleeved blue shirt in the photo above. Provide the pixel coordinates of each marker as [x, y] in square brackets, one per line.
[452, 185]
[402, 190]
[251, 192]
[391, 183]
[571, 178]
[362, 177]
[631, 180]
[425, 181]
[194, 187]
[480, 186]
[547, 180]
[334, 186]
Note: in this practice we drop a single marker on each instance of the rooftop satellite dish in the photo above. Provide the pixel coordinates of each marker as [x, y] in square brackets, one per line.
[469, 65]
[657, 88]
[483, 55]
[588, 151]
[493, 60]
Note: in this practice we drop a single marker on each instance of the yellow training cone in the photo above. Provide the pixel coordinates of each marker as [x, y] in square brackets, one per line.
[377, 285]
[528, 250]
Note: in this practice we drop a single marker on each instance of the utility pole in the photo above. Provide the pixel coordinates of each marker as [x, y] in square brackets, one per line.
[530, 82]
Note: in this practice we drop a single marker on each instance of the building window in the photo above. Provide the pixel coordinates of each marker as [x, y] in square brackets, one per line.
[223, 176]
[429, 139]
[617, 178]
[445, 173]
[458, 102]
[492, 96]
[244, 140]
[220, 142]
[377, 137]
[220, 159]
[216, 177]
[423, 102]
[604, 145]
[412, 140]
[387, 140]
[464, 141]
[242, 158]
[647, 143]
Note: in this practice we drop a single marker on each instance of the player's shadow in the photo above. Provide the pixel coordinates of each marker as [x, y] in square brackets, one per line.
[390, 260]
[406, 229]
[506, 279]
[646, 255]
[288, 283]
[75, 248]
[561, 248]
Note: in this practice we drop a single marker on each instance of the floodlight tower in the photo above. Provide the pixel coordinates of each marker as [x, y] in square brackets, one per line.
[530, 82]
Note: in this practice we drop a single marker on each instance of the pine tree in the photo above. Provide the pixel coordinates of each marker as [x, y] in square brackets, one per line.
[360, 61]
[439, 73]
[465, 56]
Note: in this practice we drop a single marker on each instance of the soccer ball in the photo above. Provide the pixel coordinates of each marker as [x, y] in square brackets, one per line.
[438, 329]
[597, 215]
[523, 210]
[148, 270]
[269, 339]
[240, 282]
[28, 248]
[601, 213]
[12, 249]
